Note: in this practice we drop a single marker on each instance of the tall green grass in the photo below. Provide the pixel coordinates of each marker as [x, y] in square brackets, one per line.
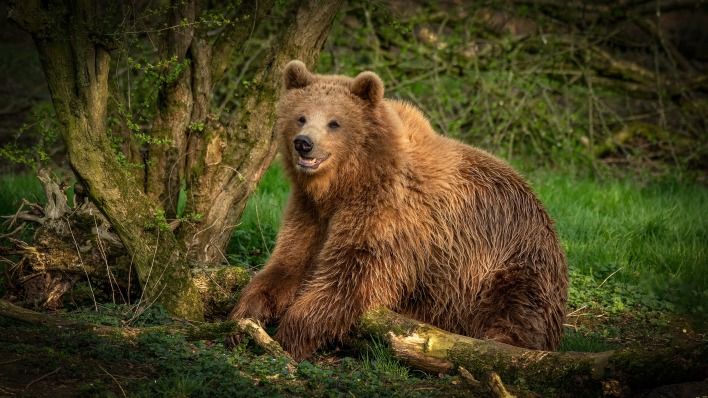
[629, 245]
[15, 187]
[254, 237]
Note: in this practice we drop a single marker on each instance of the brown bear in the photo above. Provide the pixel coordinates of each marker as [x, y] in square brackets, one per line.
[386, 212]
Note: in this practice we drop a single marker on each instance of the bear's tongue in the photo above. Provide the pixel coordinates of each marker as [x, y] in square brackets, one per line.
[308, 162]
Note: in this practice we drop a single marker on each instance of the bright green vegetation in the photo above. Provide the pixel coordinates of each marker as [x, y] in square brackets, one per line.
[378, 359]
[254, 237]
[590, 342]
[631, 244]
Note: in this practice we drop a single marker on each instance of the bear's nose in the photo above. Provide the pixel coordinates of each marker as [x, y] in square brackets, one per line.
[303, 144]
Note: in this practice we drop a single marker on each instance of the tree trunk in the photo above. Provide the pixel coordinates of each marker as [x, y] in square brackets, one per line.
[235, 156]
[218, 164]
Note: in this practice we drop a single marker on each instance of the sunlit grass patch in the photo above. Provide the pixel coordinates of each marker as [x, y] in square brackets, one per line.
[631, 244]
[378, 358]
[575, 341]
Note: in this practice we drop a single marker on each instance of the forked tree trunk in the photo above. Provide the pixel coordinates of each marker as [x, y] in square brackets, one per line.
[218, 164]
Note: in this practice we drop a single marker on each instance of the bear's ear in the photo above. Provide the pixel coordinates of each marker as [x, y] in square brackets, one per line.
[296, 75]
[368, 86]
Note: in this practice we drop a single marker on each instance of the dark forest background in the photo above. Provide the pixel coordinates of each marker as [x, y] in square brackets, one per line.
[602, 106]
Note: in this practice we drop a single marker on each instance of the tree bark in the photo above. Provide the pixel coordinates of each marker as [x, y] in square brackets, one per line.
[218, 164]
[76, 69]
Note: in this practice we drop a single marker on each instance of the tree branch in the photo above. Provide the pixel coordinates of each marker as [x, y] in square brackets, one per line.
[239, 153]
[247, 17]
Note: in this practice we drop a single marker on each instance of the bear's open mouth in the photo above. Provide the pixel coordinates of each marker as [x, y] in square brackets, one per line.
[310, 163]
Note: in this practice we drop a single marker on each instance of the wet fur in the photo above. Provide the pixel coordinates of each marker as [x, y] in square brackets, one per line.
[407, 219]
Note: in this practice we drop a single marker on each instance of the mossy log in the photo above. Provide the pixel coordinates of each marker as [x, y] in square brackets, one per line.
[426, 347]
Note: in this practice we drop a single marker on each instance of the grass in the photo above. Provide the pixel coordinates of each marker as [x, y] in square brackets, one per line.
[378, 359]
[165, 365]
[254, 238]
[579, 342]
[15, 187]
[631, 244]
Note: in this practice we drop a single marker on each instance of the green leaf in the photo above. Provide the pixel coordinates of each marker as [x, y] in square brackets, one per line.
[182, 200]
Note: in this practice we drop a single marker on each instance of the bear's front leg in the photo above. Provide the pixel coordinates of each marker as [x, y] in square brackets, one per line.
[351, 282]
[273, 289]
[267, 296]
[304, 327]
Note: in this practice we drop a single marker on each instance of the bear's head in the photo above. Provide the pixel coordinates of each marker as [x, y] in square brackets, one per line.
[330, 125]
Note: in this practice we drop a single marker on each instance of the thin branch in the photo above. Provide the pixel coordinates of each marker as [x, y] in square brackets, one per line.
[233, 38]
[42, 377]
[114, 379]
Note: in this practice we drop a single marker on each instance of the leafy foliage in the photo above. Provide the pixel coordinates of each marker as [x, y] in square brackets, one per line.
[516, 81]
[35, 142]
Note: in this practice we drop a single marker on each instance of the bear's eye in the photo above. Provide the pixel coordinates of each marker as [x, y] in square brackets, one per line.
[302, 120]
[333, 125]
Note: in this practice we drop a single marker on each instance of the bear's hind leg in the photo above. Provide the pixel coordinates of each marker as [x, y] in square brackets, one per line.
[516, 310]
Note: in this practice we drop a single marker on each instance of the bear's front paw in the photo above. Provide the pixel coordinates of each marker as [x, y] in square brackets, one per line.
[256, 306]
[296, 342]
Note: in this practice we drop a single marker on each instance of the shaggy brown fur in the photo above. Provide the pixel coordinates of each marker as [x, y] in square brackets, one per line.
[399, 216]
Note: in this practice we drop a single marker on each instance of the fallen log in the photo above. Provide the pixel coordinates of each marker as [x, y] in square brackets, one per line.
[432, 349]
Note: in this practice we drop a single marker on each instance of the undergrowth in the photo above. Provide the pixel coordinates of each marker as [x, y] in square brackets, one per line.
[166, 365]
[524, 83]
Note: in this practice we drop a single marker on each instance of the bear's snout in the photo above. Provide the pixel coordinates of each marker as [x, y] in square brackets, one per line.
[303, 144]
